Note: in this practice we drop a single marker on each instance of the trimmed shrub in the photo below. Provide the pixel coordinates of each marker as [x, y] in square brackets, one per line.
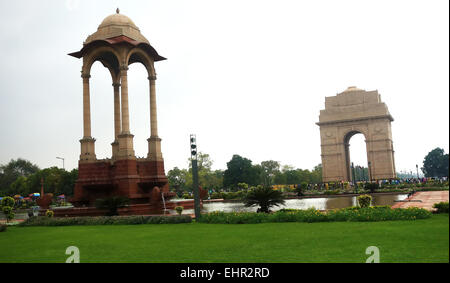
[179, 209]
[8, 201]
[441, 207]
[49, 213]
[357, 214]
[364, 200]
[3, 227]
[9, 213]
[105, 220]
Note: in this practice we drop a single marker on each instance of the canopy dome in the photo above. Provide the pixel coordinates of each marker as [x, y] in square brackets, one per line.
[116, 25]
[352, 88]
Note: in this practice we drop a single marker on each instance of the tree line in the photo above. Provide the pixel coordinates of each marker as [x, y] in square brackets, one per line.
[21, 177]
[240, 170]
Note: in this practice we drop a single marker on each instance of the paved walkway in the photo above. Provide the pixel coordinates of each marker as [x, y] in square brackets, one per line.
[427, 199]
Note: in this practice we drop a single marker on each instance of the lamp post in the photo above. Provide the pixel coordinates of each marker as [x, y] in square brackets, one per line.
[193, 142]
[417, 169]
[62, 161]
[363, 174]
[370, 171]
[357, 175]
[353, 174]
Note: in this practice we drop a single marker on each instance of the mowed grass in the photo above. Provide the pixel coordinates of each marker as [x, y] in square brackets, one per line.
[398, 241]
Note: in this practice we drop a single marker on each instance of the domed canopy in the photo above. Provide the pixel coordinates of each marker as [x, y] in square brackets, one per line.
[352, 88]
[116, 25]
[117, 29]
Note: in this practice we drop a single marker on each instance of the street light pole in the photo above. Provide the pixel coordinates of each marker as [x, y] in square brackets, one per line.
[417, 168]
[364, 174]
[353, 174]
[193, 141]
[62, 161]
[370, 171]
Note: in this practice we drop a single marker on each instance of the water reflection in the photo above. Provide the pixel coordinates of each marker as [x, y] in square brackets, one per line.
[318, 203]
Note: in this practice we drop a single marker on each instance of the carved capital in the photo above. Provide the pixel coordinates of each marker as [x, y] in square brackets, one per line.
[152, 78]
[123, 68]
[85, 75]
[116, 84]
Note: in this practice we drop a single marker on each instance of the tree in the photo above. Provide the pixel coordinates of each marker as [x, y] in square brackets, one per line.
[269, 169]
[181, 179]
[316, 174]
[13, 170]
[301, 188]
[240, 170]
[435, 164]
[204, 162]
[264, 197]
[56, 181]
[243, 186]
[177, 180]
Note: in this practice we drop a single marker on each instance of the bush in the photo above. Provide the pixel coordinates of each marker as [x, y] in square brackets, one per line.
[8, 201]
[105, 220]
[49, 213]
[331, 192]
[441, 207]
[357, 214]
[3, 227]
[216, 195]
[288, 210]
[179, 209]
[8, 211]
[364, 200]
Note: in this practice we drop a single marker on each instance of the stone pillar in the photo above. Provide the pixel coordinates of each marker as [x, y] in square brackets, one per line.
[153, 113]
[348, 174]
[124, 102]
[117, 120]
[154, 142]
[125, 138]
[87, 142]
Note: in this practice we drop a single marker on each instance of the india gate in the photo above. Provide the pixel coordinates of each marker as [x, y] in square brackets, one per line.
[346, 114]
[118, 43]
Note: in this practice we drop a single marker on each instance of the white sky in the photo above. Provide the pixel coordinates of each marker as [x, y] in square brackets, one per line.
[248, 77]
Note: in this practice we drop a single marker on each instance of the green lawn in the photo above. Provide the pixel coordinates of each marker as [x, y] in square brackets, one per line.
[398, 241]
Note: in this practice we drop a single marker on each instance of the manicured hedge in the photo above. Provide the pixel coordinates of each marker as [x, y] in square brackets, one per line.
[378, 213]
[105, 220]
[441, 207]
[3, 227]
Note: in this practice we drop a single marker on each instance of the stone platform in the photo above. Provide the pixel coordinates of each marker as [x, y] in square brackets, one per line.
[133, 209]
[424, 200]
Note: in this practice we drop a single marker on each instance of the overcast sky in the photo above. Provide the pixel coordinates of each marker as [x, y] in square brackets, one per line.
[248, 77]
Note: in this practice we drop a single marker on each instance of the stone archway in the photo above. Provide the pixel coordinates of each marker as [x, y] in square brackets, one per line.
[350, 112]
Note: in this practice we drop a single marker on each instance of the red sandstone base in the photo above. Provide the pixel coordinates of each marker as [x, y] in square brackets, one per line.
[134, 209]
[130, 178]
